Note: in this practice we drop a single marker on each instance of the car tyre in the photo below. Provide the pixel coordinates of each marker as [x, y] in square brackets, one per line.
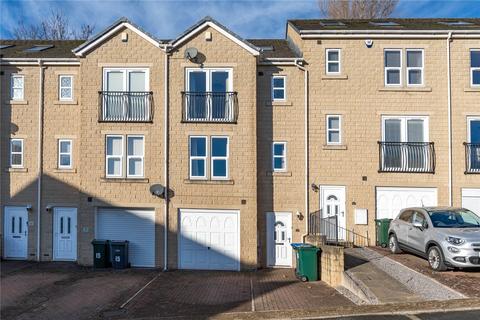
[393, 244]
[435, 259]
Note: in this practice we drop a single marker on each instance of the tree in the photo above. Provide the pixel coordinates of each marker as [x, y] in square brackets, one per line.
[54, 27]
[357, 9]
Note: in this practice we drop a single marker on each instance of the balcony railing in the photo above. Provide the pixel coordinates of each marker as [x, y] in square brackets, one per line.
[218, 107]
[125, 106]
[472, 157]
[417, 157]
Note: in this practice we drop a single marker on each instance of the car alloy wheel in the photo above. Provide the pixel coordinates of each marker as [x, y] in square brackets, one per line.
[392, 245]
[434, 258]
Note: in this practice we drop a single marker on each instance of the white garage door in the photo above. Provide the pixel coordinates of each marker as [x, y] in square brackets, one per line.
[390, 200]
[471, 199]
[209, 240]
[136, 226]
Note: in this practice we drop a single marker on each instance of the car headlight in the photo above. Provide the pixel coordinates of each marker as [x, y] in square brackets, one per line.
[454, 240]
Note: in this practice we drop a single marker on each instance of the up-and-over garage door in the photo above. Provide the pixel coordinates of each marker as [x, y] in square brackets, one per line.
[209, 239]
[390, 200]
[136, 226]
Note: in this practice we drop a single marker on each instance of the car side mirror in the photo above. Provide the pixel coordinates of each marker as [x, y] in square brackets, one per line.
[418, 225]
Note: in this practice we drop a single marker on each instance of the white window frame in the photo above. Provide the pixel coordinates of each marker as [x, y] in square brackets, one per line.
[328, 129]
[16, 152]
[60, 153]
[125, 72]
[121, 156]
[469, 127]
[60, 87]
[191, 158]
[141, 157]
[415, 68]
[284, 88]
[472, 69]
[12, 77]
[386, 69]
[226, 158]
[208, 77]
[284, 156]
[327, 61]
[404, 126]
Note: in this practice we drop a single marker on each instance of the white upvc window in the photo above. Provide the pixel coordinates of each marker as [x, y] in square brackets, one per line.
[64, 154]
[135, 155]
[126, 79]
[475, 67]
[219, 157]
[16, 153]
[415, 64]
[333, 61]
[393, 67]
[114, 156]
[334, 129]
[279, 88]
[65, 87]
[198, 157]
[405, 129]
[279, 156]
[17, 87]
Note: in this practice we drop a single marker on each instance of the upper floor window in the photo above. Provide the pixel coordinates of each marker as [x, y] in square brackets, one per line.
[219, 161]
[334, 134]
[414, 67]
[279, 156]
[405, 129]
[279, 85]
[116, 157]
[333, 61]
[198, 157]
[65, 87]
[18, 87]
[16, 153]
[125, 80]
[64, 154]
[393, 67]
[475, 67]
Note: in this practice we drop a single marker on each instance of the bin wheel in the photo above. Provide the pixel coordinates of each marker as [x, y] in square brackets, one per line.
[304, 278]
[384, 245]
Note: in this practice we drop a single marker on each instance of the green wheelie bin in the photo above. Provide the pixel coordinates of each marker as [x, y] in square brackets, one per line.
[101, 256]
[382, 226]
[307, 261]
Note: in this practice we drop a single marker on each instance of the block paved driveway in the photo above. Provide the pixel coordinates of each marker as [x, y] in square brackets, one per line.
[67, 291]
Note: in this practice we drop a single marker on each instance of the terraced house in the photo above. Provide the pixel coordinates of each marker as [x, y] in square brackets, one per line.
[214, 152]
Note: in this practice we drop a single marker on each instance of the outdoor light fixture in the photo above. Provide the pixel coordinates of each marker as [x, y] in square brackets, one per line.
[314, 187]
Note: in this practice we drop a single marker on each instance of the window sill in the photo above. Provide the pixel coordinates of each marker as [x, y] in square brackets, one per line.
[16, 102]
[405, 89]
[334, 77]
[60, 102]
[124, 180]
[278, 103]
[279, 173]
[199, 181]
[58, 170]
[334, 147]
[472, 89]
[16, 169]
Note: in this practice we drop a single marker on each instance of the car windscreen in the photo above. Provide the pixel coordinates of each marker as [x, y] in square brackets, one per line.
[454, 219]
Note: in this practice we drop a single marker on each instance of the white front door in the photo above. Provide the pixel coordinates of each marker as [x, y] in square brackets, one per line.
[333, 205]
[15, 226]
[471, 200]
[279, 237]
[65, 234]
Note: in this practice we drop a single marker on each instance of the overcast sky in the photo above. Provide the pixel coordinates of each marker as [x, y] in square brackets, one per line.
[167, 19]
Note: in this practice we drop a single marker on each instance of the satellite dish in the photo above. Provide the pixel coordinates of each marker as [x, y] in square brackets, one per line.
[369, 43]
[191, 53]
[157, 190]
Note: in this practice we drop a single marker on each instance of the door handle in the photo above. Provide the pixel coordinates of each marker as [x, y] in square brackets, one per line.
[208, 248]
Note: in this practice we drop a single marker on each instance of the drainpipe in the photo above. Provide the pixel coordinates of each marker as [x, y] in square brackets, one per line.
[449, 93]
[165, 173]
[39, 153]
[306, 213]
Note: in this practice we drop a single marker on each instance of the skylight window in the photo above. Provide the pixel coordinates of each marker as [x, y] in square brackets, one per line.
[384, 24]
[38, 48]
[5, 46]
[458, 23]
[266, 48]
[332, 23]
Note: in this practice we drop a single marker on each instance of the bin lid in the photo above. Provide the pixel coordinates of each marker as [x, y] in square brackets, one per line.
[298, 246]
[118, 242]
[383, 220]
[100, 241]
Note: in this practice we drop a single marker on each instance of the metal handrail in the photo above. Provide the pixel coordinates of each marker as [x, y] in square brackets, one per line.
[472, 157]
[126, 106]
[208, 106]
[414, 157]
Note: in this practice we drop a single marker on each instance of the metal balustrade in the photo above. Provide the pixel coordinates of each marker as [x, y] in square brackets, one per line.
[217, 107]
[472, 157]
[125, 106]
[415, 157]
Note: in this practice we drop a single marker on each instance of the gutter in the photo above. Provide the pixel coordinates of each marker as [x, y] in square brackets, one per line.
[449, 103]
[165, 158]
[39, 153]
[298, 63]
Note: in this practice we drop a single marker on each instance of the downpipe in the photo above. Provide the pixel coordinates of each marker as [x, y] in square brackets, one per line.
[39, 154]
[449, 95]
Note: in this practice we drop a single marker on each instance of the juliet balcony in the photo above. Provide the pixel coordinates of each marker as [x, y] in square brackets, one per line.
[407, 157]
[210, 107]
[472, 157]
[125, 106]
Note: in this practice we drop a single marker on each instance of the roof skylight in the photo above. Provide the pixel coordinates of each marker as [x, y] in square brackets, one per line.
[384, 23]
[38, 48]
[332, 23]
[458, 23]
[5, 46]
[266, 48]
